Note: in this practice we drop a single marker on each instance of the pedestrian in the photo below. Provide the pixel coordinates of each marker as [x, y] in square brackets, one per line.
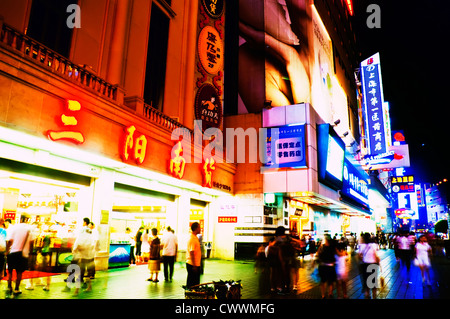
[82, 250]
[93, 251]
[169, 251]
[2, 248]
[202, 248]
[341, 270]
[145, 246]
[132, 240]
[352, 243]
[288, 256]
[274, 262]
[19, 238]
[193, 257]
[422, 260]
[43, 262]
[260, 259]
[154, 257]
[370, 261]
[138, 240]
[325, 256]
[405, 253]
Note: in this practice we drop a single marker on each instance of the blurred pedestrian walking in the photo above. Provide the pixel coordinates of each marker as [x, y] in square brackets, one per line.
[325, 256]
[19, 238]
[2, 248]
[370, 265]
[341, 270]
[82, 251]
[405, 252]
[132, 240]
[422, 260]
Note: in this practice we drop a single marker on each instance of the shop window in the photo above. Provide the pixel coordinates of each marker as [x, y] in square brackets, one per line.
[155, 73]
[48, 24]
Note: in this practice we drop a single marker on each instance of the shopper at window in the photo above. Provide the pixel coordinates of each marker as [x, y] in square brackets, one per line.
[170, 248]
[193, 257]
[132, 240]
[154, 262]
[139, 244]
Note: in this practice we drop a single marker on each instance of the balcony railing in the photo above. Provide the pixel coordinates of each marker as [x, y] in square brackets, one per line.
[55, 62]
[161, 119]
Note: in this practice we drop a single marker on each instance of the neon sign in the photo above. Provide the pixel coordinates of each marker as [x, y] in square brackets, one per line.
[209, 165]
[68, 120]
[177, 162]
[134, 148]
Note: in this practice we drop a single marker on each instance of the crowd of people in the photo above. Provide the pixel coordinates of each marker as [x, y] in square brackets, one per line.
[281, 259]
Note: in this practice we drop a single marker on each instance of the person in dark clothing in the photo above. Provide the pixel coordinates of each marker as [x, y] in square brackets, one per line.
[326, 258]
[139, 244]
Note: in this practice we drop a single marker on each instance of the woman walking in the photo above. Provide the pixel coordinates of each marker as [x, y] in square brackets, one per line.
[370, 262]
[423, 253]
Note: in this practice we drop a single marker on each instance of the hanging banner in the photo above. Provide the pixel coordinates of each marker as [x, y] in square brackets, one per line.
[373, 106]
[210, 63]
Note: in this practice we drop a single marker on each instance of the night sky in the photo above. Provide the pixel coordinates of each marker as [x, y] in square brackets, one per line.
[412, 43]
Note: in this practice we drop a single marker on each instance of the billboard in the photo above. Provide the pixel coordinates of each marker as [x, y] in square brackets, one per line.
[331, 152]
[274, 54]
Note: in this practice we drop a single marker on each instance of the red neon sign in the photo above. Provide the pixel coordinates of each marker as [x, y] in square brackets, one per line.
[134, 148]
[177, 162]
[209, 165]
[350, 6]
[68, 120]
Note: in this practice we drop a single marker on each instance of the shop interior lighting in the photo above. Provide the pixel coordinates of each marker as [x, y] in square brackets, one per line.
[22, 145]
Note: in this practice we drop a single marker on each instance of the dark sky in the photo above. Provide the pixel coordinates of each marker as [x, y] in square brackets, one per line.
[412, 43]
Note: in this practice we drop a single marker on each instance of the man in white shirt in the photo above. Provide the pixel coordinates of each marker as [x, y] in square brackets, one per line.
[193, 256]
[170, 248]
[18, 241]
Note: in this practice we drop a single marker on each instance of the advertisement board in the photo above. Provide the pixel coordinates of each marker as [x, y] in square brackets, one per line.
[373, 105]
[286, 147]
[355, 184]
[331, 151]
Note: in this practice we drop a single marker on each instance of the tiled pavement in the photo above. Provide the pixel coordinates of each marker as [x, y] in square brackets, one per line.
[130, 283]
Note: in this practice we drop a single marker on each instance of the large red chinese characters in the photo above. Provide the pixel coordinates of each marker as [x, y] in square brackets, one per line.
[68, 119]
[134, 145]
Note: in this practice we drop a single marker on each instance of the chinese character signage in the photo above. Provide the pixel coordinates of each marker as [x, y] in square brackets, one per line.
[355, 184]
[134, 145]
[374, 113]
[69, 122]
[210, 63]
[286, 147]
[403, 184]
[177, 162]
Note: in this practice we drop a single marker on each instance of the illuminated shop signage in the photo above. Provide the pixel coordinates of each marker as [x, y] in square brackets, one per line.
[286, 147]
[331, 150]
[227, 219]
[403, 184]
[374, 113]
[177, 163]
[355, 184]
[68, 119]
[134, 145]
[209, 165]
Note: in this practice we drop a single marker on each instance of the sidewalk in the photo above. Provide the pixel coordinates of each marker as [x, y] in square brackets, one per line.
[130, 282]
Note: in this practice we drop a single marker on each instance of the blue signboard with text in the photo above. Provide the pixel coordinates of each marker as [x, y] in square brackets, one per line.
[286, 147]
[356, 184]
[373, 105]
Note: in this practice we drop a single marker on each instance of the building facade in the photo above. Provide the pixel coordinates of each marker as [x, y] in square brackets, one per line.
[118, 110]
